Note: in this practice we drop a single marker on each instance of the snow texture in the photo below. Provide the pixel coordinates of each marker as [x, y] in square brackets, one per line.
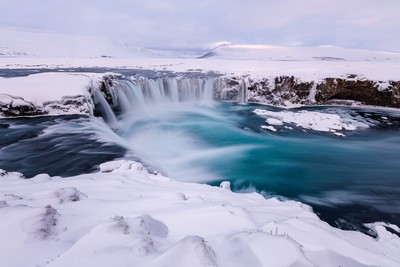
[125, 216]
[311, 120]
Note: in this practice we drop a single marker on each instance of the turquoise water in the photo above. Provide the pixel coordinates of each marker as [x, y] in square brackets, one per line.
[358, 173]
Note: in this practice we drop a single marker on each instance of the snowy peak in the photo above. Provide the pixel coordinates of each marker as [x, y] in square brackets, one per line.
[297, 53]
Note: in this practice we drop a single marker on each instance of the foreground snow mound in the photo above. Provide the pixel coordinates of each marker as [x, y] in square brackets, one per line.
[125, 216]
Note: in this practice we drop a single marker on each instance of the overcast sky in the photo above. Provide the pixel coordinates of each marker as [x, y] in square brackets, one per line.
[371, 24]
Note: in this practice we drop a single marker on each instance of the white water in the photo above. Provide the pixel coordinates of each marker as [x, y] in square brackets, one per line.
[154, 117]
[105, 109]
[144, 91]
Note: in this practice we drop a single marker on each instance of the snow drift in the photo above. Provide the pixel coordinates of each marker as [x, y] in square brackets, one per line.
[125, 216]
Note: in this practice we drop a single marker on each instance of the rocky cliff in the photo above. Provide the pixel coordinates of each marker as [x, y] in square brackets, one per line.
[285, 90]
[279, 91]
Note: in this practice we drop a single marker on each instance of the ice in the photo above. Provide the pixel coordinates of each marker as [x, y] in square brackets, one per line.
[270, 128]
[272, 121]
[317, 121]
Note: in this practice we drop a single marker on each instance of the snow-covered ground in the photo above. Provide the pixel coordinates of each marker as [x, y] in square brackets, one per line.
[124, 216]
[299, 53]
[31, 49]
[48, 93]
[46, 87]
[28, 43]
[305, 70]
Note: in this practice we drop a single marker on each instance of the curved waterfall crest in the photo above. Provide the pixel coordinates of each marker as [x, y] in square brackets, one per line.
[118, 95]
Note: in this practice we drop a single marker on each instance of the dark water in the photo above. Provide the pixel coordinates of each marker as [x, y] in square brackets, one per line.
[64, 146]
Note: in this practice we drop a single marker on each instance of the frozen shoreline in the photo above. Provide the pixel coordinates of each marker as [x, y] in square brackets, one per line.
[123, 215]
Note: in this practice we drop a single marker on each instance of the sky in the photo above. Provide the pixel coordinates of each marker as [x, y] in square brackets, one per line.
[365, 24]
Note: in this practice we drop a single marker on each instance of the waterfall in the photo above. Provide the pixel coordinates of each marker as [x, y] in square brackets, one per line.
[104, 108]
[127, 96]
[242, 92]
[132, 95]
[140, 93]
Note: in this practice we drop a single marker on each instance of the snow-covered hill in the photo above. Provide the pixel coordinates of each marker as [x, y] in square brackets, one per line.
[298, 53]
[27, 43]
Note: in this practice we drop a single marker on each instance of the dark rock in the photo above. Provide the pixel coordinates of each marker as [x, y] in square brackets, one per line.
[364, 91]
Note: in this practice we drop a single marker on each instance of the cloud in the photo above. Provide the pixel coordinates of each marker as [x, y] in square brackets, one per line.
[180, 23]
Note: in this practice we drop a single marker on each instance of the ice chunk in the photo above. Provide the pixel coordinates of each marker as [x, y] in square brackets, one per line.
[270, 128]
[272, 121]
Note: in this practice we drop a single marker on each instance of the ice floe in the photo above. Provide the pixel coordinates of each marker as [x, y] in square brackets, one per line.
[310, 120]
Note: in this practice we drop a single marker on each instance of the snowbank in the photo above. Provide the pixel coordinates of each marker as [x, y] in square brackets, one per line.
[124, 216]
[45, 87]
[52, 93]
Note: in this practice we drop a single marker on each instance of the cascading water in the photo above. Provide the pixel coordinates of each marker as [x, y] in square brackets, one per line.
[175, 125]
[104, 107]
[140, 94]
[148, 107]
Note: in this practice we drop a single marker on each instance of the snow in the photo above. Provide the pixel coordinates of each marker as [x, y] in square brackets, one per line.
[125, 216]
[304, 70]
[6, 100]
[26, 43]
[317, 121]
[270, 128]
[299, 53]
[45, 87]
[21, 48]
[272, 121]
[225, 185]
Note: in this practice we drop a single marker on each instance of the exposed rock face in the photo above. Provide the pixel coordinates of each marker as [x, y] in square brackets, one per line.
[290, 90]
[227, 89]
[16, 106]
[366, 91]
[278, 90]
